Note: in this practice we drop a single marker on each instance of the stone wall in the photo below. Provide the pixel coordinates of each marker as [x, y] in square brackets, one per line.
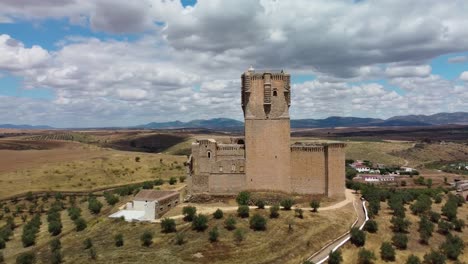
[308, 170]
[336, 170]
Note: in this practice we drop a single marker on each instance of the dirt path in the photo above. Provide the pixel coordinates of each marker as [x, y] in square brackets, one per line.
[349, 198]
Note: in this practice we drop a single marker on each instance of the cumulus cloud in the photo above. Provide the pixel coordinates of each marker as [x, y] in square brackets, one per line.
[458, 59]
[14, 56]
[464, 76]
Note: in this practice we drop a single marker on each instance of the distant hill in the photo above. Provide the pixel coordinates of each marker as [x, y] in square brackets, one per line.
[215, 123]
[333, 121]
[10, 126]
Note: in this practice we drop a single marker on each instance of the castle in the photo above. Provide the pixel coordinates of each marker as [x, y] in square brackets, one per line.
[265, 160]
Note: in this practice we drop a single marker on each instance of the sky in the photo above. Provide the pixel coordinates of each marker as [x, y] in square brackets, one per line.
[94, 63]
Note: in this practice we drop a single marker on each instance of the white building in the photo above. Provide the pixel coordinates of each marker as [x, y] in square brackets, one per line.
[148, 205]
[406, 169]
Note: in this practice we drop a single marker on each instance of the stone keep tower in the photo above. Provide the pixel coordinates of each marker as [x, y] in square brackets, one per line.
[265, 101]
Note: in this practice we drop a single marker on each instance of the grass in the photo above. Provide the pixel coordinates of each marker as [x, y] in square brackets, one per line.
[95, 168]
[377, 152]
[384, 234]
[276, 245]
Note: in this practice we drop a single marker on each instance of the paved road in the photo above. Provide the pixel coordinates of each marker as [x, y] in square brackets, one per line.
[322, 255]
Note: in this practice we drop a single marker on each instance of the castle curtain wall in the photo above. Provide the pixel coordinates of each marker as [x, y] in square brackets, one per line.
[308, 170]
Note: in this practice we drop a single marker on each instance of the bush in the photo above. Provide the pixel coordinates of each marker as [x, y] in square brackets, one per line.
[335, 257]
[111, 199]
[158, 182]
[243, 198]
[55, 228]
[298, 212]
[74, 213]
[422, 204]
[119, 240]
[2, 243]
[146, 238]
[230, 223]
[315, 204]
[218, 214]
[452, 247]
[243, 211]
[358, 237]
[2, 259]
[444, 227]
[80, 224]
[387, 252]
[94, 205]
[168, 225]
[371, 226]
[239, 235]
[172, 180]
[366, 256]
[55, 244]
[30, 230]
[450, 208]
[412, 259]
[213, 234]
[287, 203]
[458, 224]
[88, 243]
[434, 257]
[260, 204]
[426, 228]
[180, 238]
[26, 258]
[56, 257]
[434, 217]
[200, 222]
[92, 253]
[257, 222]
[274, 211]
[182, 178]
[137, 159]
[400, 224]
[189, 213]
[400, 240]
[438, 199]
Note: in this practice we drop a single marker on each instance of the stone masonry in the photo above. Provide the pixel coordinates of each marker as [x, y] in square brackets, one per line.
[265, 160]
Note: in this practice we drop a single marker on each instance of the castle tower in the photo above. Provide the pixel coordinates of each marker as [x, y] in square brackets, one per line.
[265, 102]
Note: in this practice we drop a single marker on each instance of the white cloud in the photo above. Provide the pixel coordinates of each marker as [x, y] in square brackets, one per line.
[458, 59]
[464, 76]
[408, 71]
[14, 56]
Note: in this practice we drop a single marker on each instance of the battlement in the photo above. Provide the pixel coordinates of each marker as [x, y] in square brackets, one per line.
[307, 148]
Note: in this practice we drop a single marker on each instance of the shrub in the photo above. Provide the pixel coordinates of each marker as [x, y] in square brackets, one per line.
[30, 230]
[158, 182]
[412, 259]
[87, 243]
[111, 199]
[189, 213]
[230, 223]
[94, 205]
[400, 224]
[180, 238]
[422, 204]
[55, 228]
[243, 198]
[56, 257]
[458, 224]
[315, 204]
[434, 257]
[434, 217]
[26, 258]
[2, 259]
[438, 199]
[452, 247]
[287, 203]
[200, 222]
[239, 235]
[146, 238]
[450, 208]
[426, 228]
[74, 213]
[80, 224]
[119, 240]
[172, 180]
[92, 253]
[274, 211]
[335, 257]
[444, 227]
[371, 226]
[358, 237]
[218, 214]
[400, 240]
[298, 212]
[55, 244]
[366, 256]
[243, 211]
[168, 225]
[387, 252]
[213, 234]
[137, 159]
[182, 178]
[257, 222]
[2, 243]
[260, 204]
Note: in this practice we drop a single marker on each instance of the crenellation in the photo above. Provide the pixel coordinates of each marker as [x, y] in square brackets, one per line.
[264, 158]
